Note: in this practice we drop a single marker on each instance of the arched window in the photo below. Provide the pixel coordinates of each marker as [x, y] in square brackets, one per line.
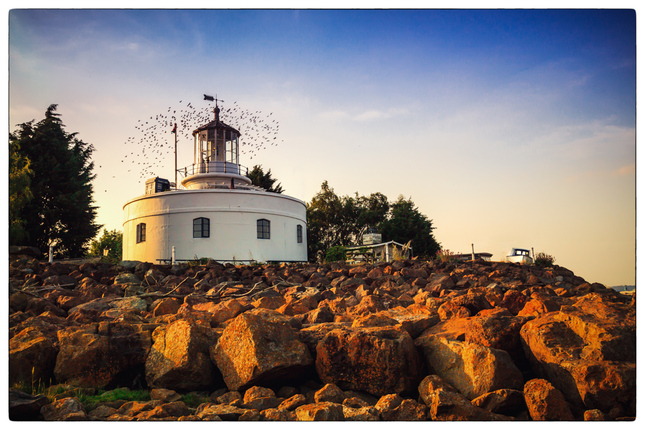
[264, 229]
[141, 232]
[201, 227]
[299, 233]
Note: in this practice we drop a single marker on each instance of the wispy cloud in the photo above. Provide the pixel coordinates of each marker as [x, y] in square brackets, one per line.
[627, 170]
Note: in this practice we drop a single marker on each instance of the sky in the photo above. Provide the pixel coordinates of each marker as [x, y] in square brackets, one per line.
[506, 127]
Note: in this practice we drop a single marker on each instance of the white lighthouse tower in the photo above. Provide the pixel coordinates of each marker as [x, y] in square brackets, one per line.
[216, 213]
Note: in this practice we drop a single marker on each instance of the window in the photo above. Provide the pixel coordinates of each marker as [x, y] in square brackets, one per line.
[141, 232]
[299, 233]
[201, 227]
[264, 229]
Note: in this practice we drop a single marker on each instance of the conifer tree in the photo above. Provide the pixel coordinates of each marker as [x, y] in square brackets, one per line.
[264, 180]
[19, 192]
[61, 211]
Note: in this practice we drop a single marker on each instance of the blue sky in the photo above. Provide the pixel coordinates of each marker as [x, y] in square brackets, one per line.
[507, 128]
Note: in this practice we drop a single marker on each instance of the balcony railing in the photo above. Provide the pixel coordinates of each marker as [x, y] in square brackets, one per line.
[214, 167]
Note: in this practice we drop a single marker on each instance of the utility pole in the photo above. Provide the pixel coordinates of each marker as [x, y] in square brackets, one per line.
[174, 130]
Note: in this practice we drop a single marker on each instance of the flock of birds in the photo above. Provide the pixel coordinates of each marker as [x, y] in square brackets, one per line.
[153, 144]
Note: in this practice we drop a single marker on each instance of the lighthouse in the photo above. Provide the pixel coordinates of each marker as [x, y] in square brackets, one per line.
[216, 212]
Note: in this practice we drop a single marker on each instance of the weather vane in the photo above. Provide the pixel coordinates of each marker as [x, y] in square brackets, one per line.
[211, 98]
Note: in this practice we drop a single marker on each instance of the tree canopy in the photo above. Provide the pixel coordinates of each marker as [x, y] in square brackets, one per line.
[334, 221]
[61, 209]
[19, 191]
[265, 180]
[406, 223]
[112, 241]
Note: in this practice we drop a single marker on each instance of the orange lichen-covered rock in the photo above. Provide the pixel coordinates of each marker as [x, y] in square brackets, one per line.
[545, 402]
[179, 357]
[258, 346]
[587, 351]
[471, 368]
[445, 403]
[378, 360]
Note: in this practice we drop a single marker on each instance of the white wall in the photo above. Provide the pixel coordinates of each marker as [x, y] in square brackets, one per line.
[233, 229]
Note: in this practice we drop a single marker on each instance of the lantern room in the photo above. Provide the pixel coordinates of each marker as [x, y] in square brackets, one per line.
[216, 157]
[216, 145]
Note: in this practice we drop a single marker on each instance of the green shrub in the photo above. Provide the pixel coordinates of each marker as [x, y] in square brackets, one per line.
[192, 400]
[544, 260]
[90, 402]
[336, 253]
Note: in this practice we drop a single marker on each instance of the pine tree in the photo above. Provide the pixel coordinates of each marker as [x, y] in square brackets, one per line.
[61, 210]
[264, 180]
[19, 192]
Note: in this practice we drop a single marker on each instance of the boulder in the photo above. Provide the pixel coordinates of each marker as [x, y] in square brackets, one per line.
[219, 412]
[260, 398]
[277, 415]
[100, 355]
[25, 407]
[39, 305]
[165, 306]
[407, 410]
[474, 302]
[587, 351]
[545, 402]
[505, 401]
[260, 346]
[223, 396]
[66, 409]
[89, 312]
[368, 305]
[164, 394]
[364, 413]
[471, 368]
[499, 331]
[167, 410]
[378, 360]
[223, 311]
[514, 301]
[412, 320]
[445, 403]
[293, 402]
[126, 278]
[325, 411]
[450, 310]
[179, 358]
[103, 413]
[319, 315]
[32, 357]
[439, 282]
[329, 393]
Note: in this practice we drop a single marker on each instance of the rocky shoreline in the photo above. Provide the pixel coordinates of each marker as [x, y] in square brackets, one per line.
[408, 340]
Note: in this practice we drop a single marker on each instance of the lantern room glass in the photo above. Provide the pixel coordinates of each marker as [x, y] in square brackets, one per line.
[217, 149]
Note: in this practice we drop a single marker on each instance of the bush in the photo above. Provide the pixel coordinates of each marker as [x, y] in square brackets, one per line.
[112, 242]
[544, 260]
[336, 253]
[445, 255]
